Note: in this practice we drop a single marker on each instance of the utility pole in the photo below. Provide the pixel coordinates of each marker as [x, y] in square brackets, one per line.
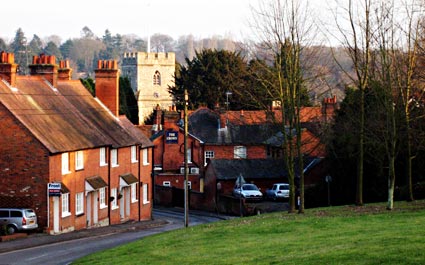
[186, 169]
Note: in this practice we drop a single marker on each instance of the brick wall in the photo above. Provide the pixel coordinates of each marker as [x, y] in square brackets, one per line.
[24, 167]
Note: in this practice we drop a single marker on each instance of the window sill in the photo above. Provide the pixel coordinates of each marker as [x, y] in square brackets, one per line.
[103, 164]
[64, 215]
[103, 206]
[115, 165]
[133, 201]
[146, 202]
[115, 207]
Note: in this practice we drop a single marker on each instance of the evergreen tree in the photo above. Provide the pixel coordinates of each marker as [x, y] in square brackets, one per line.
[128, 101]
[89, 84]
[19, 48]
[35, 45]
[3, 45]
[209, 76]
[52, 49]
[65, 49]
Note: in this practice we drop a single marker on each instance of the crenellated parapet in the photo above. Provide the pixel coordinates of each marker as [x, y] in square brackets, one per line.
[162, 58]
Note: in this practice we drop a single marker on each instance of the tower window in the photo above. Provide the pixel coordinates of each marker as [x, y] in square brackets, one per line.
[157, 78]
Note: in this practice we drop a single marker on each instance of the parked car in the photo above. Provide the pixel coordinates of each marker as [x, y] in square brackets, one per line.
[18, 219]
[278, 191]
[248, 191]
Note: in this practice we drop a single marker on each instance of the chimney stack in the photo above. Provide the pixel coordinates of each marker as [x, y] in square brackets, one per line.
[157, 123]
[64, 71]
[45, 66]
[8, 67]
[107, 85]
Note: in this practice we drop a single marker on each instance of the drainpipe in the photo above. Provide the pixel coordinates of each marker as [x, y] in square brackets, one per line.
[109, 185]
[152, 181]
[138, 177]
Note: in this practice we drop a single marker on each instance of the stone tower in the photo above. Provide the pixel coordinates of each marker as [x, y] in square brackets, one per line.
[150, 75]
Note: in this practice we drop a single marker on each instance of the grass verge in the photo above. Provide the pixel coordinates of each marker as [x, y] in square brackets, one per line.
[335, 235]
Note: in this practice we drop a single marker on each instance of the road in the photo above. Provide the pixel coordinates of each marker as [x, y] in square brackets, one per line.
[68, 251]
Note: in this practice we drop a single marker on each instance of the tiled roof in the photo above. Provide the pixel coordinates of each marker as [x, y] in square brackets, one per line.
[65, 118]
[307, 114]
[204, 124]
[310, 144]
[231, 169]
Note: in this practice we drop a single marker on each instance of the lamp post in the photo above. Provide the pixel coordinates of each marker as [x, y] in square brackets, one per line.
[186, 169]
[228, 93]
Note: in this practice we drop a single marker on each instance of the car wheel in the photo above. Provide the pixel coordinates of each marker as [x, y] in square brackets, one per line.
[11, 229]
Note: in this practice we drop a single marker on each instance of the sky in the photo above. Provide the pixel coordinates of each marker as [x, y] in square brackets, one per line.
[201, 18]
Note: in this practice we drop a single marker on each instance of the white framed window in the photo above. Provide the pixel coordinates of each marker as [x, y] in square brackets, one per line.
[145, 193]
[115, 201]
[103, 158]
[79, 160]
[133, 187]
[102, 198]
[134, 154]
[239, 152]
[208, 155]
[189, 155]
[166, 183]
[65, 205]
[65, 163]
[145, 156]
[79, 203]
[114, 157]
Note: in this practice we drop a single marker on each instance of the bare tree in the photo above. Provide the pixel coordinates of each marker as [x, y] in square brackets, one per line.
[410, 28]
[284, 29]
[357, 40]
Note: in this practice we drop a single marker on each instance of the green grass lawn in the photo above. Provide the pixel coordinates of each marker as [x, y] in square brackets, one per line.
[335, 235]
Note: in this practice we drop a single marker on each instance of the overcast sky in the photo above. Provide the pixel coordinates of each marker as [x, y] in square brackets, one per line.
[202, 18]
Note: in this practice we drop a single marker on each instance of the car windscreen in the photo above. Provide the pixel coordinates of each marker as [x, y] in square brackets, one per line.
[249, 187]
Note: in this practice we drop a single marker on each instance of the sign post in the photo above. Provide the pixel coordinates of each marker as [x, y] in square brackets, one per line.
[54, 189]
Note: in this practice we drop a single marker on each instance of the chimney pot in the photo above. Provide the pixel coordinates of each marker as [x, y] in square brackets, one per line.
[8, 67]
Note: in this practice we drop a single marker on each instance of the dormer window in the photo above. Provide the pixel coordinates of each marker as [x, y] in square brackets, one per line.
[157, 78]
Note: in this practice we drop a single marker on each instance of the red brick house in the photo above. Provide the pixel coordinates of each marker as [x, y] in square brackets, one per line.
[238, 137]
[53, 131]
[169, 153]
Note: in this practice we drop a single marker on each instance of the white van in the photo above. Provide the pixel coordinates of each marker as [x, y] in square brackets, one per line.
[17, 219]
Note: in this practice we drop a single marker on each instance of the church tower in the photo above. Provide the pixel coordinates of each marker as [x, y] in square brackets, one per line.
[150, 76]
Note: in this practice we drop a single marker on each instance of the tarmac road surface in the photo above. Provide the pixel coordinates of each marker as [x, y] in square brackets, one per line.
[63, 249]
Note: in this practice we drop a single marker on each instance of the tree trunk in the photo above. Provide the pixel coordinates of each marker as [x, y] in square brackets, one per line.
[359, 192]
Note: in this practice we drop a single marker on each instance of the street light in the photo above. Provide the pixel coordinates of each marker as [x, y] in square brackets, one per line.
[186, 169]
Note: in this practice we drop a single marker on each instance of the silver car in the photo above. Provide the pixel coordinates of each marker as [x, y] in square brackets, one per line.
[279, 191]
[248, 191]
[17, 219]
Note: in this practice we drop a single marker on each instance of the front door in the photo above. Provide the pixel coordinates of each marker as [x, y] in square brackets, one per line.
[55, 214]
[89, 210]
[122, 205]
[95, 208]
